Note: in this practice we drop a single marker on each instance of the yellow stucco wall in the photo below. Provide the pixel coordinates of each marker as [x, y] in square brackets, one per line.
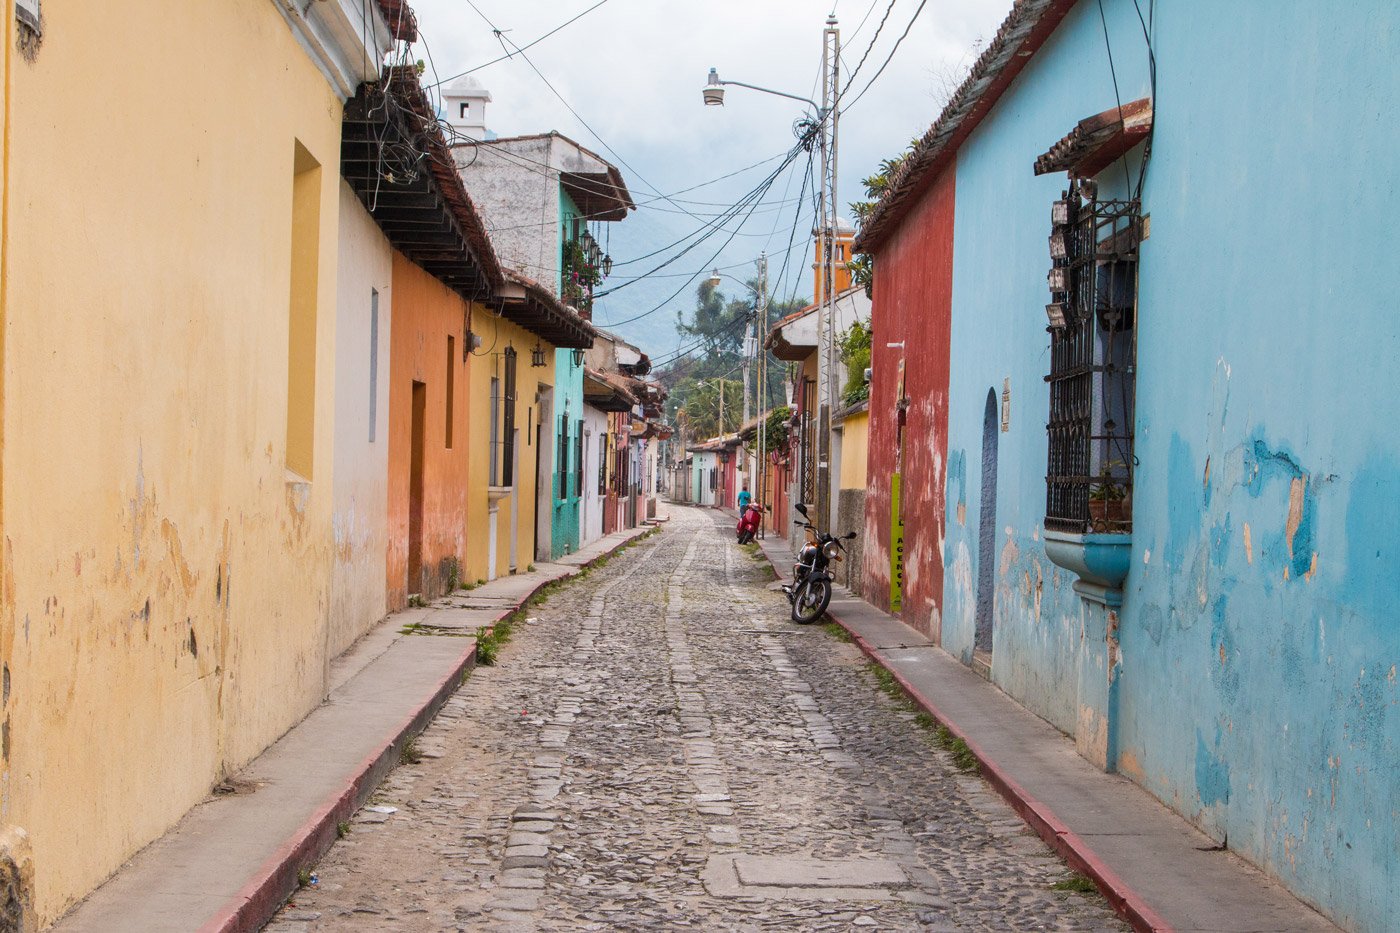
[165, 587]
[497, 334]
[855, 438]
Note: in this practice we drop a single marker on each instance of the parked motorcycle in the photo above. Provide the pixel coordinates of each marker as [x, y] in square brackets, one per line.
[810, 589]
[750, 521]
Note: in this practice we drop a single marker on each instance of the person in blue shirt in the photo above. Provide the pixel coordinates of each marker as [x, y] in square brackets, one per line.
[744, 498]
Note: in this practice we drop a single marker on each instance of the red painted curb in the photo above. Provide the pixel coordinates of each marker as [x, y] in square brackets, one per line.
[276, 879]
[1128, 904]
[1081, 857]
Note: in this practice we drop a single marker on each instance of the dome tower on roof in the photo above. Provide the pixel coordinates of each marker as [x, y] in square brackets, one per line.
[464, 101]
[842, 240]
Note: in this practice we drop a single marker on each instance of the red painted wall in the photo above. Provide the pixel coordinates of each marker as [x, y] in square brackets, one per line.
[912, 303]
[731, 480]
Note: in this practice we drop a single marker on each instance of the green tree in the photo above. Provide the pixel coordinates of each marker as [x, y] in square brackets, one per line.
[717, 325]
[876, 186]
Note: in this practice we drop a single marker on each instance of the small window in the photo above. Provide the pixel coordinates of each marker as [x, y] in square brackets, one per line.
[30, 20]
[305, 269]
[373, 362]
[462, 113]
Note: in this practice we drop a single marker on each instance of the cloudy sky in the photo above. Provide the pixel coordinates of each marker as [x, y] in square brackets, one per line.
[632, 71]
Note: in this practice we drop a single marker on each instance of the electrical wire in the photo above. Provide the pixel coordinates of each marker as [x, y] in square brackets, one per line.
[1113, 72]
[528, 45]
[850, 79]
[888, 58]
[658, 307]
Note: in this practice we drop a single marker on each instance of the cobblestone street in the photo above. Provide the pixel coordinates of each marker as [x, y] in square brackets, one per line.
[659, 747]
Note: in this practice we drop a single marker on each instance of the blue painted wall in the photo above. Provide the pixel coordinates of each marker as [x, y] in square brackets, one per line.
[1000, 259]
[1260, 629]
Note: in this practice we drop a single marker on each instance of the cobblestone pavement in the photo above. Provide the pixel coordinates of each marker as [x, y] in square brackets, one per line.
[660, 748]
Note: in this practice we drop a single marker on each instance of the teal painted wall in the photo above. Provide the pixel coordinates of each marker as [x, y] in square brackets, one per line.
[566, 522]
[1260, 630]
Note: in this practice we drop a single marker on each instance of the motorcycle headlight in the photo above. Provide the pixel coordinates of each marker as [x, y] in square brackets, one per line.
[831, 550]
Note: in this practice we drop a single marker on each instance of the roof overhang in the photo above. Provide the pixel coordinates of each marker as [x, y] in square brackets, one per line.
[1025, 29]
[399, 15]
[794, 338]
[1097, 141]
[394, 157]
[536, 309]
[599, 195]
[604, 393]
[594, 183]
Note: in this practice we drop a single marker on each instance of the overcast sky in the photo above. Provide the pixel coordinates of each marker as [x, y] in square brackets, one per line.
[633, 70]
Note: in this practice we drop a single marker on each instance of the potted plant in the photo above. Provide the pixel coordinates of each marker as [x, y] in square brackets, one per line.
[1110, 501]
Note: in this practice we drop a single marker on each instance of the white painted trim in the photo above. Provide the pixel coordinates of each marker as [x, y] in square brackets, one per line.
[347, 45]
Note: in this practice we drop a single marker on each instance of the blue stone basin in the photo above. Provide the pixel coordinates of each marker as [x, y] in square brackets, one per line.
[1099, 560]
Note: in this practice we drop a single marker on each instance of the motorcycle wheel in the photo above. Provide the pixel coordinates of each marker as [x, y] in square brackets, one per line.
[745, 536]
[810, 601]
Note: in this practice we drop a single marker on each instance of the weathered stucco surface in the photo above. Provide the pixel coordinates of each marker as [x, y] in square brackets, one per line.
[361, 468]
[1249, 679]
[425, 314]
[165, 588]
[913, 291]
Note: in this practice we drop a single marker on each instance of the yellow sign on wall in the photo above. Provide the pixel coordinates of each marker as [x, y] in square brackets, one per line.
[896, 547]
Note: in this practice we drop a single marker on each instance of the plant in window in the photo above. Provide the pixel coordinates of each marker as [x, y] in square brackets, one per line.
[854, 346]
[1110, 500]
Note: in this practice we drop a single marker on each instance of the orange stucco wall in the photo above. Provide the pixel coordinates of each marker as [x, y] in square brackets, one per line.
[425, 314]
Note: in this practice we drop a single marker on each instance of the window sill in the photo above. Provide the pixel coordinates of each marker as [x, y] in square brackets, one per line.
[1100, 561]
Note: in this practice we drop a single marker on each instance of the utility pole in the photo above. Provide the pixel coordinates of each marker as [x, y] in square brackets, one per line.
[826, 313]
[761, 388]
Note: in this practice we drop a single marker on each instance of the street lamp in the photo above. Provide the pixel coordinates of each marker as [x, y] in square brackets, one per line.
[713, 93]
[828, 115]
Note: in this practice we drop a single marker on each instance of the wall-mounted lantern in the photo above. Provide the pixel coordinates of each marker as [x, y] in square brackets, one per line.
[578, 357]
[537, 355]
[607, 265]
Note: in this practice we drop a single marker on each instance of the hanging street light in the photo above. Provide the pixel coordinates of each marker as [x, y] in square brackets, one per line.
[827, 117]
[537, 354]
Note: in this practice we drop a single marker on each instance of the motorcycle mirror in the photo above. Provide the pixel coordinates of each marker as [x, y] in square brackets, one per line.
[800, 509]
[850, 536]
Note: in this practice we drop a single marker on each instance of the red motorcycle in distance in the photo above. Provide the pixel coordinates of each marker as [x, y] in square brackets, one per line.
[750, 521]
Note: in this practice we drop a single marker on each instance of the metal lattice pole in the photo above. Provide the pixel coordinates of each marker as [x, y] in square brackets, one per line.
[826, 314]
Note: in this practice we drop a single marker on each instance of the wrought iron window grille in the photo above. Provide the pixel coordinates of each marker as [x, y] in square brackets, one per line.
[1092, 318]
[507, 420]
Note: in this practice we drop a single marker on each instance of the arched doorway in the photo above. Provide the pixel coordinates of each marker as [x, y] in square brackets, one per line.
[987, 530]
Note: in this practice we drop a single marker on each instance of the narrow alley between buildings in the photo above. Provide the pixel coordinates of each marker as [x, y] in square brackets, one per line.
[659, 747]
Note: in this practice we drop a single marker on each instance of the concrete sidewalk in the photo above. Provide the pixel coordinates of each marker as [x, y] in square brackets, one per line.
[232, 860]
[1158, 871]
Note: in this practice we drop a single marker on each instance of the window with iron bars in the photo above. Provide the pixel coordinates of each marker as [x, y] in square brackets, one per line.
[1093, 351]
